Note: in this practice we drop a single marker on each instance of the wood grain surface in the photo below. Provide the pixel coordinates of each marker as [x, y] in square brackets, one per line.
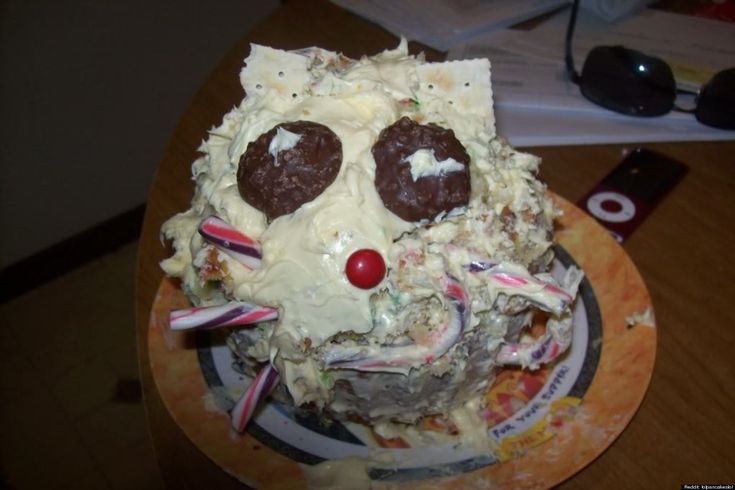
[684, 431]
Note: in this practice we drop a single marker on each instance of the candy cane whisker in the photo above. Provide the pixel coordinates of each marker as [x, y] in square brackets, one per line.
[231, 241]
[401, 358]
[541, 289]
[545, 349]
[262, 385]
[558, 335]
[231, 314]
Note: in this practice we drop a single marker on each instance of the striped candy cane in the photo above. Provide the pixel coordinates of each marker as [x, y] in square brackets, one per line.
[262, 386]
[558, 334]
[240, 247]
[514, 280]
[227, 315]
[401, 358]
[545, 349]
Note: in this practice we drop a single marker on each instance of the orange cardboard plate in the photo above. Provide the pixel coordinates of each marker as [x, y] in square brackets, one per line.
[548, 424]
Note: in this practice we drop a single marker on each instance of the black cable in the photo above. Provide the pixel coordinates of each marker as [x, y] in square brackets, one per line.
[568, 58]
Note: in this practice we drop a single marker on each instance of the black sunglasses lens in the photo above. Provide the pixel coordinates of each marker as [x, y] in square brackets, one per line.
[627, 81]
[716, 101]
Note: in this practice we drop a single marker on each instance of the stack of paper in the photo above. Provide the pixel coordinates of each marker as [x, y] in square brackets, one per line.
[443, 24]
[536, 104]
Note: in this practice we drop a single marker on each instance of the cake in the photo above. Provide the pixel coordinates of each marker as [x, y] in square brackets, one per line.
[384, 245]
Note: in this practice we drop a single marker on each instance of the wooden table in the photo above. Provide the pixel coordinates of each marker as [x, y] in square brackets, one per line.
[684, 431]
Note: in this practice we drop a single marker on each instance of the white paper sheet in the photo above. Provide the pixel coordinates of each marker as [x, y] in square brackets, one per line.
[442, 24]
[537, 105]
[525, 128]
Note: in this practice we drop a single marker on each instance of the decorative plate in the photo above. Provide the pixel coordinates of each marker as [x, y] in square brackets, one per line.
[545, 425]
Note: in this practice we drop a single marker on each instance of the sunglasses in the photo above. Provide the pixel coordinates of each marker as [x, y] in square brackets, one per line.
[632, 83]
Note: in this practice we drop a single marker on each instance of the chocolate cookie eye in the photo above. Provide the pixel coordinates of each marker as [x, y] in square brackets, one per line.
[421, 170]
[288, 166]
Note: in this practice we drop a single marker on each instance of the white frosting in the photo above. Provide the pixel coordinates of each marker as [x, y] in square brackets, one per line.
[283, 140]
[304, 253]
[424, 164]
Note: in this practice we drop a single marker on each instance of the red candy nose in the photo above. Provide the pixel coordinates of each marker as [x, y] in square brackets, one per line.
[365, 268]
